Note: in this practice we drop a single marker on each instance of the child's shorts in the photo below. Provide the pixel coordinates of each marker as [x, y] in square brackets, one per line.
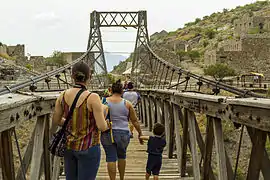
[153, 164]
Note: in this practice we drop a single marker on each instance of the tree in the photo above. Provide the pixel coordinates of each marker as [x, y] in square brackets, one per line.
[56, 59]
[111, 78]
[181, 54]
[197, 20]
[219, 71]
[193, 55]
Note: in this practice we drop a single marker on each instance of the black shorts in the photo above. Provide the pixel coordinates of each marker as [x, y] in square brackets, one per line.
[153, 164]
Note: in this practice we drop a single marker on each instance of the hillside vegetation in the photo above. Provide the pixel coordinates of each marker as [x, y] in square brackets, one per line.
[201, 34]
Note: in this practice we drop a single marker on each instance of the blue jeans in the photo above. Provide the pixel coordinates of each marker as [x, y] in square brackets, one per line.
[118, 149]
[82, 165]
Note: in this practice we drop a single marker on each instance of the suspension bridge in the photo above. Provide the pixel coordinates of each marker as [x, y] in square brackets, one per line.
[170, 95]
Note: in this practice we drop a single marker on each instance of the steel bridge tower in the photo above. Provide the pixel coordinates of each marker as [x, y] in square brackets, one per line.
[96, 57]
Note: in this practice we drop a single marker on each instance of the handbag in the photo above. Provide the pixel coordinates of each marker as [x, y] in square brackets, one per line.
[58, 143]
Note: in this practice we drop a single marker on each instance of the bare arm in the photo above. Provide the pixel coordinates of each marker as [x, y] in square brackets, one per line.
[58, 112]
[98, 111]
[134, 118]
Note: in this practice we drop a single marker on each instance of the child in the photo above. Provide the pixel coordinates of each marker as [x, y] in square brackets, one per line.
[155, 148]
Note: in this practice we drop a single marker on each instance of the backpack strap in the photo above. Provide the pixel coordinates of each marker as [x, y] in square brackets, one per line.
[72, 108]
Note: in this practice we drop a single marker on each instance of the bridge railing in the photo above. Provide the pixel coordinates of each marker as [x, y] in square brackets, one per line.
[179, 113]
[34, 160]
[24, 151]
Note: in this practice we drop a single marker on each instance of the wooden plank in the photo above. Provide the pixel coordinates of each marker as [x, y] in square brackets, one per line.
[171, 130]
[9, 118]
[208, 150]
[151, 114]
[220, 150]
[193, 144]
[178, 139]
[167, 125]
[56, 167]
[6, 155]
[38, 148]
[251, 102]
[184, 145]
[257, 153]
[46, 154]
[158, 110]
[140, 111]
[155, 109]
[143, 109]
[27, 157]
[147, 110]
[163, 112]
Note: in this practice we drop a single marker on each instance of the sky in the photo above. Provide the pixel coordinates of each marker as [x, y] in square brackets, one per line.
[48, 25]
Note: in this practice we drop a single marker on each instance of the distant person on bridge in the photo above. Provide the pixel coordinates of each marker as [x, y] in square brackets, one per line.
[107, 93]
[115, 144]
[134, 97]
[155, 148]
[82, 157]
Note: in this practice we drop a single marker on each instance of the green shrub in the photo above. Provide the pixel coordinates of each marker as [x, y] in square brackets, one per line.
[205, 17]
[219, 39]
[5, 56]
[210, 33]
[111, 78]
[205, 43]
[233, 19]
[197, 20]
[181, 54]
[29, 67]
[194, 54]
[254, 30]
[172, 33]
[219, 71]
[56, 58]
[189, 24]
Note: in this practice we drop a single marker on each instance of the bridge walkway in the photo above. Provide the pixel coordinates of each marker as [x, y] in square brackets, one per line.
[136, 163]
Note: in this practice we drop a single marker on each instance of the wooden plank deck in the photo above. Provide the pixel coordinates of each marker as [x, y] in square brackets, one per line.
[136, 163]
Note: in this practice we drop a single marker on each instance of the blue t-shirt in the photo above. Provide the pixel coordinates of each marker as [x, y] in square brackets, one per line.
[156, 145]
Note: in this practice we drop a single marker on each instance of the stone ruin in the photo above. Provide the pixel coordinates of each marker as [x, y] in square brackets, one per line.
[246, 52]
[9, 73]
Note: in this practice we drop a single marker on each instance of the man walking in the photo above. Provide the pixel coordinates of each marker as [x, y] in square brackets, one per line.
[132, 96]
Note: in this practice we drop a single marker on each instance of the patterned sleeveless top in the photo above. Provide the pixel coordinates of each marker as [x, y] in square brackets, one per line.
[82, 126]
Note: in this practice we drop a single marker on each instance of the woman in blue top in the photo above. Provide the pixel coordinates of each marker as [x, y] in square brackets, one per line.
[115, 144]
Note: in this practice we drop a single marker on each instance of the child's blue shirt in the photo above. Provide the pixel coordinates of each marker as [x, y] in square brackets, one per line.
[156, 145]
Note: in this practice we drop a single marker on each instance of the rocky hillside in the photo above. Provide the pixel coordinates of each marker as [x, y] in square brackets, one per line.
[185, 47]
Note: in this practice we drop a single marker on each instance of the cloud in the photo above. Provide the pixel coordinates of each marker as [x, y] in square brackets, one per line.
[47, 20]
